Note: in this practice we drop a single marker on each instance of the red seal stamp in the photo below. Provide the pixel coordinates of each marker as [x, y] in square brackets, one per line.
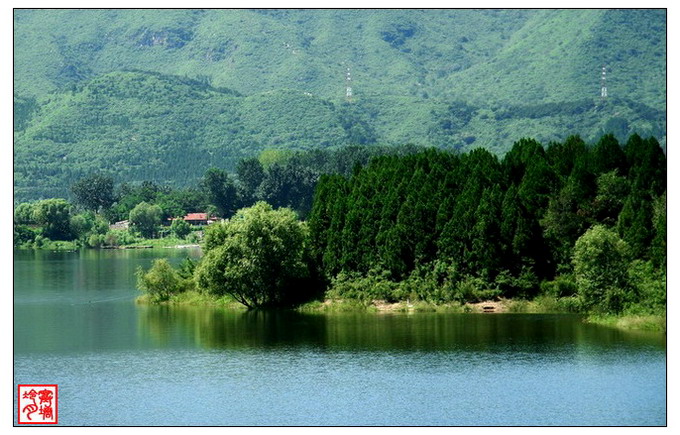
[38, 404]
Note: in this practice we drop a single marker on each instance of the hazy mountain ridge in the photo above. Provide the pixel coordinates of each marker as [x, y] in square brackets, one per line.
[162, 94]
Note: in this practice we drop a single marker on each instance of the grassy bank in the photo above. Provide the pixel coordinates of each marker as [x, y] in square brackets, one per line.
[167, 242]
[52, 245]
[194, 298]
[72, 245]
[650, 322]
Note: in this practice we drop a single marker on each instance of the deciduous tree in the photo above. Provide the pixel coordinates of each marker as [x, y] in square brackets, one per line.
[259, 257]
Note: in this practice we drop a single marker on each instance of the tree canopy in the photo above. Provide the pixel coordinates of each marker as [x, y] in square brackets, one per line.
[145, 218]
[258, 256]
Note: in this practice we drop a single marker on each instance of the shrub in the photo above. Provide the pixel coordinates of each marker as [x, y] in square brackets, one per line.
[160, 281]
[650, 287]
[474, 289]
[95, 241]
[563, 286]
[600, 268]
[180, 228]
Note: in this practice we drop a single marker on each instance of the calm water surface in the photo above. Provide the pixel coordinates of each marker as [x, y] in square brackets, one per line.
[117, 363]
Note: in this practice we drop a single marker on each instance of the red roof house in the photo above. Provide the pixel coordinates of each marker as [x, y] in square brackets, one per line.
[198, 219]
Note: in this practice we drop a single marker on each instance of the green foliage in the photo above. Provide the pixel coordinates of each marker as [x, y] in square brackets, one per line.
[23, 213]
[658, 248]
[115, 238]
[23, 236]
[649, 283]
[500, 227]
[250, 173]
[259, 256]
[601, 261]
[94, 192]
[54, 216]
[561, 287]
[180, 228]
[145, 218]
[434, 283]
[612, 190]
[221, 191]
[374, 286]
[161, 281]
[85, 225]
[168, 93]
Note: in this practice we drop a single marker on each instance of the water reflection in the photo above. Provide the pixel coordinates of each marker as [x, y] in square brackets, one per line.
[221, 328]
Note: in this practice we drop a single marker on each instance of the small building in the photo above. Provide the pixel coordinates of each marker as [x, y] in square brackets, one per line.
[200, 219]
[120, 225]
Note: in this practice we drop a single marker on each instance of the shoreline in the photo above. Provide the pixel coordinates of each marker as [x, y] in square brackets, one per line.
[628, 322]
[71, 246]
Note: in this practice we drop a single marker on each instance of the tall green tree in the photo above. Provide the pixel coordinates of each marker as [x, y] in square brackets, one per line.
[658, 251]
[221, 191]
[94, 192]
[145, 218]
[635, 222]
[607, 156]
[250, 173]
[563, 156]
[259, 257]
[54, 215]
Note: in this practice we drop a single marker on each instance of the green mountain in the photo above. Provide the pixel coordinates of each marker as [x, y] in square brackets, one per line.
[163, 94]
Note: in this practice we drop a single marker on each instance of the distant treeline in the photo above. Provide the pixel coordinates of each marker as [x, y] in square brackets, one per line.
[280, 178]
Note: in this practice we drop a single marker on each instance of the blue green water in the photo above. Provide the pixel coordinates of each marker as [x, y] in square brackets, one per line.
[118, 363]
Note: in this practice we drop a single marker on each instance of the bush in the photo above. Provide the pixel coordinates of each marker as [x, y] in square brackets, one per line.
[95, 240]
[119, 238]
[650, 287]
[160, 281]
[525, 285]
[180, 228]
[600, 268]
[563, 286]
[374, 286]
[23, 235]
[473, 289]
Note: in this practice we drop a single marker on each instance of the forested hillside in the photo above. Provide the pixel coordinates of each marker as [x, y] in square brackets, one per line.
[164, 94]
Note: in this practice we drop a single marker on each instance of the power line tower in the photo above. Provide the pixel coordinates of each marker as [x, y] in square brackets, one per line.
[348, 86]
[603, 85]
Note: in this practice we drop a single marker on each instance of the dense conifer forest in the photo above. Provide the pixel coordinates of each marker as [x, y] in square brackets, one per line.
[470, 222]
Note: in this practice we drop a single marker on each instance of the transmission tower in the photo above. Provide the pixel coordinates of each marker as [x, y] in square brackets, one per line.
[348, 86]
[603, 85]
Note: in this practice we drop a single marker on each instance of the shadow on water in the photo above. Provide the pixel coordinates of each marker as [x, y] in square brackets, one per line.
[221, 328]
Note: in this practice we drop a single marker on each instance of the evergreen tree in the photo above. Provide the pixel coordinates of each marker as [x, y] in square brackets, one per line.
[658, 248]
[563, 156]
[221, 191]
[485, 247]
[607, 156]
[94, 192]
[635, 223]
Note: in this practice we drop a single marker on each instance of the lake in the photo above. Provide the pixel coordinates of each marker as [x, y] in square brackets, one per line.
[118, 363]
